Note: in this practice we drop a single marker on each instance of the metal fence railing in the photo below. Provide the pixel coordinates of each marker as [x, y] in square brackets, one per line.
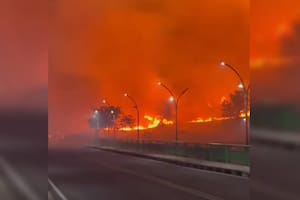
[226, 153]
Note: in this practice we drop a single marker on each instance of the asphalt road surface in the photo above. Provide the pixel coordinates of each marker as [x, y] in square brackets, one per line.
[90, 174]
[23, 156]
[275, 165]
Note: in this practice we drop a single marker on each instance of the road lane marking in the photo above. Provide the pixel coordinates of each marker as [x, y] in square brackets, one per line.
[56, 190]
[17, 180]
[164, 182]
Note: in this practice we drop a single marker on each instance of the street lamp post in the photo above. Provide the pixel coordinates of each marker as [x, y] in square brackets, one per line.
[176, 102]
[96, 117]
[107, 104]
[104, 101]
[246, 93]
[112, 112]
[138, 114]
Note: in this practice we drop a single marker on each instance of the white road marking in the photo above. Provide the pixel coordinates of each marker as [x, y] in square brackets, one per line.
[17, 180]
[56, 190]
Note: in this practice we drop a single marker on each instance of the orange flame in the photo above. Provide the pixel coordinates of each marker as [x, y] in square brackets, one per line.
[201, 120]
[153, 122]
[223, 99]
[167, 122]
[243, 114]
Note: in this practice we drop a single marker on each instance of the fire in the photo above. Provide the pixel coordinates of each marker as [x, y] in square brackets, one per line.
[153, 122]
[243, 114]
[148, 117]
[223, 99]
[167, 122]
[126, 129]
[132, 128]
[201, 120]
[156, 121]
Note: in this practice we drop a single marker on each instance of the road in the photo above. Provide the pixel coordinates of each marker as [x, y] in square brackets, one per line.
[275, 165]
[89, 174]
[23, 156]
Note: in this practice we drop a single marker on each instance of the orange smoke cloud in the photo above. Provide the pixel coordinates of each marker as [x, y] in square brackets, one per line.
[102, 49]
[275, 51]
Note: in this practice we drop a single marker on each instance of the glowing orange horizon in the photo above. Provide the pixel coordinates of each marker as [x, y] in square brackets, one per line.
[130, 49]
[156, 121]
[153, 122]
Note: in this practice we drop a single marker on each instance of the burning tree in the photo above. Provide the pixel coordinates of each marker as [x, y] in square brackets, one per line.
[234, 106]
[127, 121]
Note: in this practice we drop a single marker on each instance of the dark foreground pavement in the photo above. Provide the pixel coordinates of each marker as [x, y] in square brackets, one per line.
[23, 156]
[93, 174]
[275, 165]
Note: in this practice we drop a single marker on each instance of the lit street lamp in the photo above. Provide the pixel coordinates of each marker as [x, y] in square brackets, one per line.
[112, 112]
[104, 101]
[240, 86]
[171, 99]
[246, 93]
[96, 117]
[176, 101]
[138, 114]
[107, 104]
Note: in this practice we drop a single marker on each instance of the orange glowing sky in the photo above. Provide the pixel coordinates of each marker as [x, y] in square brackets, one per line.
[101, 49]
[23, 55]
[275, 50]
[271, 20]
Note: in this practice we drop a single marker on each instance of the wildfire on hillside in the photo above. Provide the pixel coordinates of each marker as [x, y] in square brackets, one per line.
[210, 119]
[156, 121]
[153, 122]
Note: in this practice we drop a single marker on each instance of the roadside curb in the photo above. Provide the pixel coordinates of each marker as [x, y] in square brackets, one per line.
[203, 165]
[276, 139]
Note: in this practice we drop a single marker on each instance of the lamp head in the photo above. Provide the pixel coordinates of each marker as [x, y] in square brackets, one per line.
[222, 64]
[240, 86]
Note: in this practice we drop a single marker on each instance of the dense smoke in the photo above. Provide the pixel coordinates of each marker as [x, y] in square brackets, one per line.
[101, 49]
